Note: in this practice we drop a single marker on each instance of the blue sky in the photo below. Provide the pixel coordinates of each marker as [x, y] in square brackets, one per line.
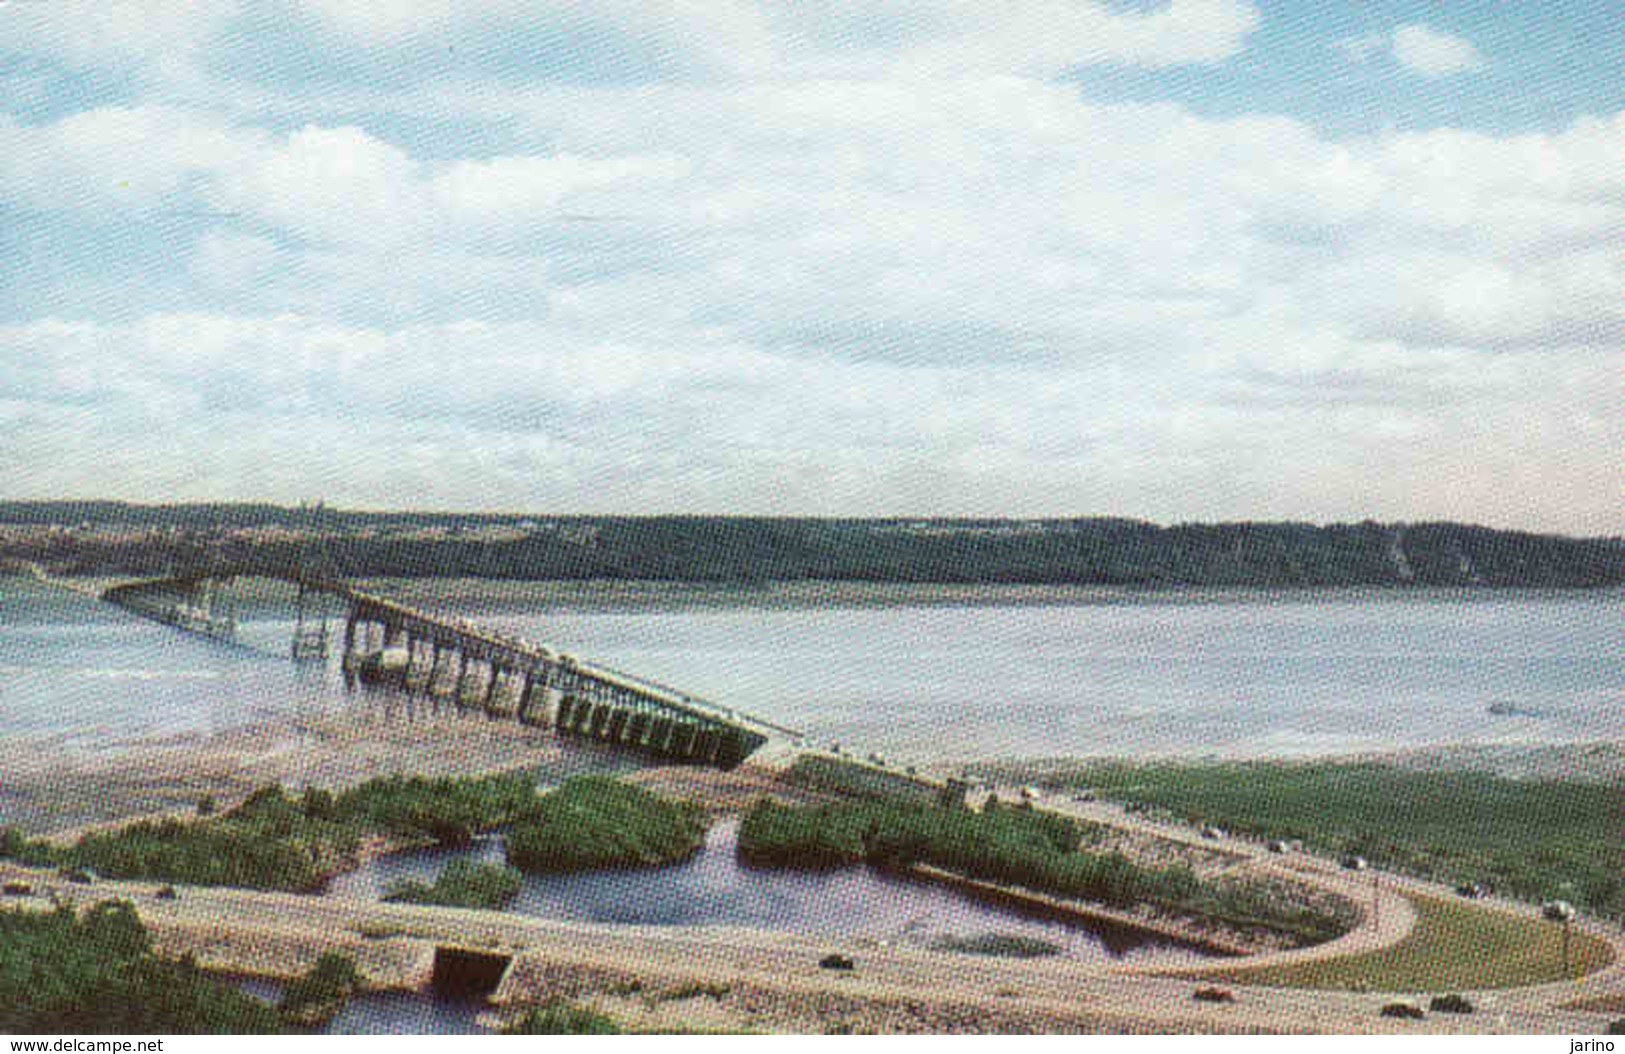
[1199, 259]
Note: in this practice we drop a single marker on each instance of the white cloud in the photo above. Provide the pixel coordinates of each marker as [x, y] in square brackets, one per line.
[537, 415]
[1418, 48]
[162, 38]
[169, 42]
[900, 284]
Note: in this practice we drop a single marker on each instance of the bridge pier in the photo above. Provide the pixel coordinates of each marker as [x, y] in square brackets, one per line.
[505, 677]
[459, 690]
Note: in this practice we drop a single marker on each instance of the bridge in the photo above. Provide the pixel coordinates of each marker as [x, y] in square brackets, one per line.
[477, 667]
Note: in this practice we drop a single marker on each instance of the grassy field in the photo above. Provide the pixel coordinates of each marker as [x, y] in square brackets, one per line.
[1453, 946]
[1535, 839]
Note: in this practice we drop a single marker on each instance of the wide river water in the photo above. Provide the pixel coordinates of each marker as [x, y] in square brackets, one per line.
[1294, 675]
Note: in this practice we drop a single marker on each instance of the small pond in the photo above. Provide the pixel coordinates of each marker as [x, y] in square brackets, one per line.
[714, 888]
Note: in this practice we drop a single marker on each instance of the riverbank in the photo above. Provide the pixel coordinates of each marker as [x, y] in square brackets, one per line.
[1446, 815]
[64, 793]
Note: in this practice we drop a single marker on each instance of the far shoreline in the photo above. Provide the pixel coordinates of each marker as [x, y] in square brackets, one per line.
[495, 596]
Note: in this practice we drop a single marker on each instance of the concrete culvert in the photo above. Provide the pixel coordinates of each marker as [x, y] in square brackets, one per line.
[463, 973]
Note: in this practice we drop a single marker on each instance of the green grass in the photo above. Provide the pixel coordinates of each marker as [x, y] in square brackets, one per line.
[593, 822]
[1033, 849]
[462, 884]
[1535, 839]
[1454, 946]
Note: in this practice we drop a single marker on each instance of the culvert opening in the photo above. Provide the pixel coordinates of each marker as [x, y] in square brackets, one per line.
[462, 973]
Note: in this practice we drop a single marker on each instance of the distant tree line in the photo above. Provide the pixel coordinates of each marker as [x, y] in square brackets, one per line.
[753, 549]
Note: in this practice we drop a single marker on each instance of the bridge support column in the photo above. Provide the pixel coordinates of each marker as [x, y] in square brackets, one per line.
[460, 686]
[488, 700]
[532, 702]
[615, 727]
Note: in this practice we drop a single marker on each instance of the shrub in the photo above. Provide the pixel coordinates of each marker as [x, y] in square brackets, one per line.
[562, 1019]
[60, 973]
[594, 821]
[322, 991]
[462, 884]
[1000, 945]
[448, 810]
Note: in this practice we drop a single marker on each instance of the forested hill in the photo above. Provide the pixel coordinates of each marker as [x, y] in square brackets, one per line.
[114, 538]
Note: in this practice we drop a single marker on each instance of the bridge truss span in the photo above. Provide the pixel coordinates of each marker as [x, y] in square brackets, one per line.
[507, 677]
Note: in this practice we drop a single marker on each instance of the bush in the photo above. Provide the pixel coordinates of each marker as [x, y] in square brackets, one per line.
[999, 945]
[322, 991]
[562, 1019]
[60, 973]
[594, 822]
[447, 810]
[462, 884]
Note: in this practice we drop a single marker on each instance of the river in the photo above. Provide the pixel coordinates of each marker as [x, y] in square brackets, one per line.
[1289, 675]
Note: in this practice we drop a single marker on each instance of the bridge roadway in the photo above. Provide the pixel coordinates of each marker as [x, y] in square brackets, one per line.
[508, 677]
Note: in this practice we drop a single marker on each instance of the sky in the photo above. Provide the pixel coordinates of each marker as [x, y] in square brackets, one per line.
[1181, 260]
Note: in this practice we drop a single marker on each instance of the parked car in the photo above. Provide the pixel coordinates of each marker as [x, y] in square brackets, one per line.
[1557, 911]
[1355, 863]
[165, 893]
[82, 876]
[1213, 833]
[1213, 994]
[17, 889]
[836, 962]
[1454, 1003]
[1472, 891]
[1403, 1008]
[1278, 846]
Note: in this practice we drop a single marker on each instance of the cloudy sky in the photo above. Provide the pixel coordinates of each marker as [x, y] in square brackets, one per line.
[1182, 260]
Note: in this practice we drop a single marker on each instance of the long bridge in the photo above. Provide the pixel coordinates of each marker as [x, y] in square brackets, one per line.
[478, 667]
